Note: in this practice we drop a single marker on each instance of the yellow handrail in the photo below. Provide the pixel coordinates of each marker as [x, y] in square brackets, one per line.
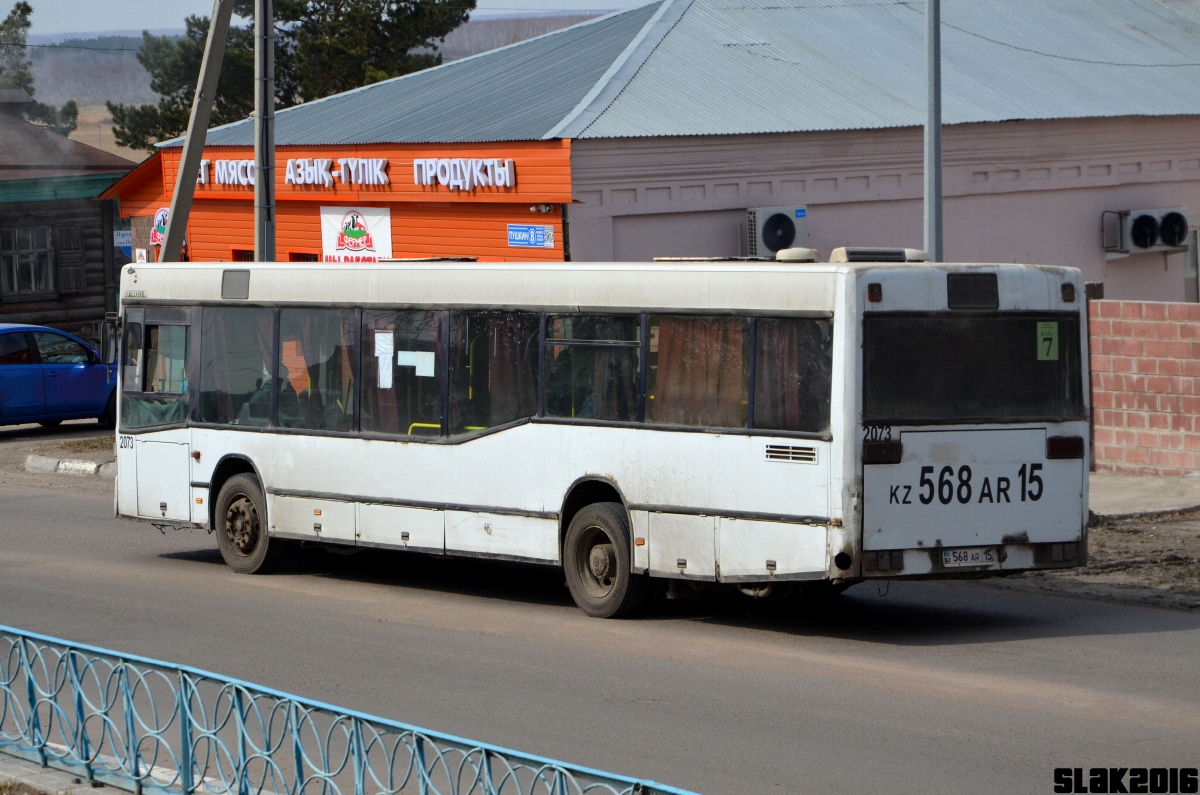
[423, 425]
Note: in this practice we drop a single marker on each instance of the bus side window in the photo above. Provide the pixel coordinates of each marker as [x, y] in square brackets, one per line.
[493, 369]
[316, 376]
[592, 367]
[156, 386]
[236, 345]
[793, 374]
[401, 369]
[700, 372]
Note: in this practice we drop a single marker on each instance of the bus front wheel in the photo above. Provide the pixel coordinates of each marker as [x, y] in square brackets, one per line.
[598, 565]
[241, 526]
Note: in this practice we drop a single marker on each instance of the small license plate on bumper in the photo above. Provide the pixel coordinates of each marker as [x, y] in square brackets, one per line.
[977, 556]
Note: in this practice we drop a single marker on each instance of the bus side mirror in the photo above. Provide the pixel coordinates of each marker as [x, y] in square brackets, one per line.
[110, 335]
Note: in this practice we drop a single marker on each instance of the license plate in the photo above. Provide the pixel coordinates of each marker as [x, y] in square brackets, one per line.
[979, 556]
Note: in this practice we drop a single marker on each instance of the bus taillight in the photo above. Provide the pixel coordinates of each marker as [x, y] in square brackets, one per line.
[1064, 447]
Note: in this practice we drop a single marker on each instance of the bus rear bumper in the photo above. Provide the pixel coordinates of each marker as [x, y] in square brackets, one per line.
[998, 559]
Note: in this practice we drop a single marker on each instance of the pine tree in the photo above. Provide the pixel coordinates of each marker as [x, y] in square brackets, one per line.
[15, 72]
[14, 63]
[322, 47]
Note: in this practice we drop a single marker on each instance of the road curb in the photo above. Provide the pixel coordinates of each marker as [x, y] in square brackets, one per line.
[14, 770]
[69, 466]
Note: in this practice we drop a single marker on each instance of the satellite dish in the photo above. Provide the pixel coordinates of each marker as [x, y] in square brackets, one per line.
[779, 232]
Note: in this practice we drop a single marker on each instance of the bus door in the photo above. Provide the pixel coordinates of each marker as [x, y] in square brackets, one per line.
[154, 443]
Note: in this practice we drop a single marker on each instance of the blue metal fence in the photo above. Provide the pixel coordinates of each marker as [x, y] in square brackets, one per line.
[150, 726]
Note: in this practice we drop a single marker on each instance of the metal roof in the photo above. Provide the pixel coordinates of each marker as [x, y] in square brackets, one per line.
[719, 67]
[514, 93]
[757, 66]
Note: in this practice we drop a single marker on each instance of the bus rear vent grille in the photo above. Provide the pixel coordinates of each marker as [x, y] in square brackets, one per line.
[786, 452]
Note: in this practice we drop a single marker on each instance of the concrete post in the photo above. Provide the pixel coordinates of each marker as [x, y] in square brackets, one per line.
[933, 130]
[264, 131]
[197, 130]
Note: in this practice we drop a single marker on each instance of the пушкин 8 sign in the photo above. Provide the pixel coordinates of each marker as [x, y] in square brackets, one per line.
[527, 236]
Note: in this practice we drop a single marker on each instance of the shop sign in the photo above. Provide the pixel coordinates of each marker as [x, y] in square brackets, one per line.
[158, 232]
[318, 172]
[525, 236]
[227, 172]
[123, 240]
[464, 173]
[355, 234]
[350, 171]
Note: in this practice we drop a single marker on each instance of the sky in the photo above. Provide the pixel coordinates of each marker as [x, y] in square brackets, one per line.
[91, 17]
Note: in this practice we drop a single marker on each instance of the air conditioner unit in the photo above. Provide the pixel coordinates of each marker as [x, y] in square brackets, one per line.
[770, 229]
[1144, 231]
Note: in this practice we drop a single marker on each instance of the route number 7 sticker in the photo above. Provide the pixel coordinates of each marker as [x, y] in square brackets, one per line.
[1047, 341]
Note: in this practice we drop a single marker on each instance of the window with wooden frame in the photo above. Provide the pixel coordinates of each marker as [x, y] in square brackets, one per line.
[27, 262]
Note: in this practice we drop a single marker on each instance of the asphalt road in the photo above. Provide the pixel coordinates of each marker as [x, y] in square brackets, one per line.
[929, 687]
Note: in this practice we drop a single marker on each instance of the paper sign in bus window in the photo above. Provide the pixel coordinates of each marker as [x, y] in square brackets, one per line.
[1047, 341]
[423, 361]
[384, 345]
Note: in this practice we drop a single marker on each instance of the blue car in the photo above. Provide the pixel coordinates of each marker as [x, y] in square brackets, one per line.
[47, 376]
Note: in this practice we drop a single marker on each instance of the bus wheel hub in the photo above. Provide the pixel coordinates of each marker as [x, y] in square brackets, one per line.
[601, 562]
[239, 523]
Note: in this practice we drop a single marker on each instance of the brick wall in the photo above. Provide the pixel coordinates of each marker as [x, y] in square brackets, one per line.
[1146, 386]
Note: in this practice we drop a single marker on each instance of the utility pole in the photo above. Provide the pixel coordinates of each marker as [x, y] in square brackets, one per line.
[933, 130]
[264, 131]
[197, 130]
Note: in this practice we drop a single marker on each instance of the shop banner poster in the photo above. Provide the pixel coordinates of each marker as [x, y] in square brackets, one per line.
[355, 234]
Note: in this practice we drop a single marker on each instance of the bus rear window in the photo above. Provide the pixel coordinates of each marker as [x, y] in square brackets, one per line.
[950, 367]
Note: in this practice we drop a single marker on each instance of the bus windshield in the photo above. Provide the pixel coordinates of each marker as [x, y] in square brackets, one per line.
[939, 367]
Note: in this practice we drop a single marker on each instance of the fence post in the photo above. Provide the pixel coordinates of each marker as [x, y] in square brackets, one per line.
[186, 752]
[131, 744]
[297, 749]
[242, 778]
[422, 774]
[83, 748]
[356, 753]
[35, 726]
[489, 786]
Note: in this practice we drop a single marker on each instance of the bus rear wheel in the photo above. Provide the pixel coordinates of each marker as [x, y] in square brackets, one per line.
[598, 564]
[241, 526]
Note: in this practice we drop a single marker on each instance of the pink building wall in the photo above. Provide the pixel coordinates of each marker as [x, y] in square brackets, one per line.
[1022, 191]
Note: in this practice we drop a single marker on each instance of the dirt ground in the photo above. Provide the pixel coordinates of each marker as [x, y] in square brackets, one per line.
[13, 788]
[1147, 560]
[83, 439]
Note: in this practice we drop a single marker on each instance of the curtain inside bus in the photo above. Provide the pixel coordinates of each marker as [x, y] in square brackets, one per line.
[793, 374]
[701, 373]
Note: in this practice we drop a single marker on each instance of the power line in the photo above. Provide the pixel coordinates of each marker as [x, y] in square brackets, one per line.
[1066, 57]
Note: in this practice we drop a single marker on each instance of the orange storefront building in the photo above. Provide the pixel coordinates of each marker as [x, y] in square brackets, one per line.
[353, 203]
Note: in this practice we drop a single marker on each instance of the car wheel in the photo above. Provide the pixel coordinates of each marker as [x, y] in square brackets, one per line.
[597, 563]
[109, 418]
[240, 520]
[50, 423]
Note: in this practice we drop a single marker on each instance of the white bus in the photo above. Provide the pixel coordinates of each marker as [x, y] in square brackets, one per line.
[752, 423]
